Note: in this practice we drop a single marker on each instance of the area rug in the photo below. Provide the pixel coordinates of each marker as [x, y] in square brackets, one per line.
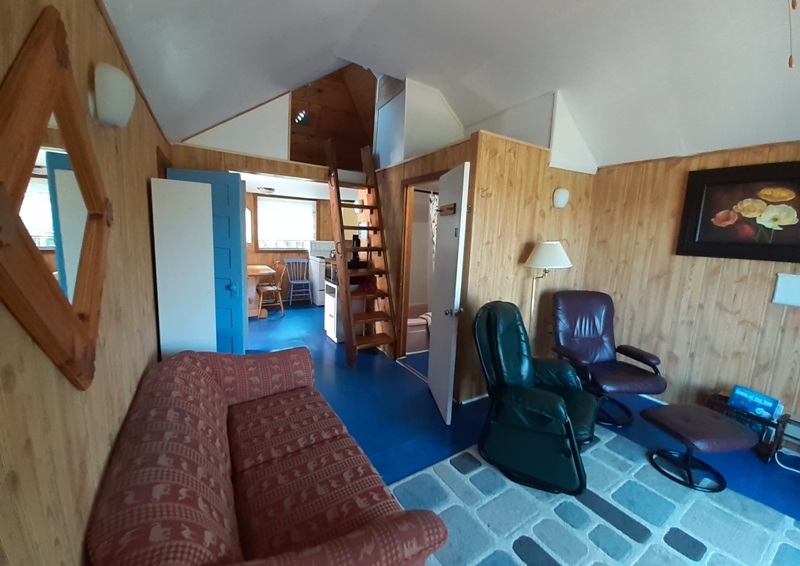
[629, 515]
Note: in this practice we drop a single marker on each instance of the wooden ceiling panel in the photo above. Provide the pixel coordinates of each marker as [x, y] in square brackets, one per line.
[339, 106]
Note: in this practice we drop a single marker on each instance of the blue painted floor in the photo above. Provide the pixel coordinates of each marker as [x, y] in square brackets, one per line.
[391, 414]
[388, 410]
[418, 362]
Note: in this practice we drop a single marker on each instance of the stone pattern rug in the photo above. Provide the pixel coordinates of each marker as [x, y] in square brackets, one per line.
[630, 514]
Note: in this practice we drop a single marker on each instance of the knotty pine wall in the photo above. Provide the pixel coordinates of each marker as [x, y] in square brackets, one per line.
[511, 187]
[710, 320]
[512, 209]
[54, 440]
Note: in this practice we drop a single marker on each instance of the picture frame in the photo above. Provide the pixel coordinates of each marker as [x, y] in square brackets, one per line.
[747, 212]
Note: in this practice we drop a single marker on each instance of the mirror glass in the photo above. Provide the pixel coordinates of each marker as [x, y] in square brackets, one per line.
[54, 214]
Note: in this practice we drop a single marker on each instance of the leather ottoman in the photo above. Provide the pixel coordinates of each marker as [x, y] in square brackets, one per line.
[699, 429]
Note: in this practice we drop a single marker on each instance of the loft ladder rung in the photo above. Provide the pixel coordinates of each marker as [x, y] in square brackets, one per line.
[368, 228]
[373, 340]
[364, 249]
[372, 316]
[358, 206]
[366, 272]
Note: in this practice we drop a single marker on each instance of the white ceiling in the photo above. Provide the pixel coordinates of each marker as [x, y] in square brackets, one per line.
[642, 79]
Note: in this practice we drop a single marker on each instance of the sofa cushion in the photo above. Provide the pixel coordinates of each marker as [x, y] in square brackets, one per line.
[308, 497]
[264, 429]
[244, 378]
[167, 496]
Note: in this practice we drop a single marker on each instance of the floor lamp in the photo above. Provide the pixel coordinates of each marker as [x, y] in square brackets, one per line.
[546, 256]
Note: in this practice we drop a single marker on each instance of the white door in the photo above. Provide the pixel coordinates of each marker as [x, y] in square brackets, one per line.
[447, 275]
[183, 239]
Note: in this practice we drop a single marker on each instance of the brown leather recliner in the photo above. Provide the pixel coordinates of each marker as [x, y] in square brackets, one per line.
[583, 323]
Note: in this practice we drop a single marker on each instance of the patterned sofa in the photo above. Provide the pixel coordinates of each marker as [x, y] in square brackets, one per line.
[224, 459]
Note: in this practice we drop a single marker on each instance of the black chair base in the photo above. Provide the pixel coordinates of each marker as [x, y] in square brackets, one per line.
[685, 469]
[621, 416]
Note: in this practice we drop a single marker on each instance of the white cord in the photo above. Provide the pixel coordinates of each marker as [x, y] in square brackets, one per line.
[785, 467]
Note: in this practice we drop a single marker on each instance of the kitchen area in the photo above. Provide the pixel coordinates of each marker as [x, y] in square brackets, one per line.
[289, 219]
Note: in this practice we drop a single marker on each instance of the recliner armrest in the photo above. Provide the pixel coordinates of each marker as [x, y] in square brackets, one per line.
[544, 403]
[573, 356]
[639, 355]
[556, 373]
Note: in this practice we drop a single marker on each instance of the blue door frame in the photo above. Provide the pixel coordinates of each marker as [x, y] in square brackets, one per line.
[227, 205]
[57, 161]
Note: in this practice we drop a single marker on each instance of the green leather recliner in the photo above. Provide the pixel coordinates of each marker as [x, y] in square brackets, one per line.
[539, 414]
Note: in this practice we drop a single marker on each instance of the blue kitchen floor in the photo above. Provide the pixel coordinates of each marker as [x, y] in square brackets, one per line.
[391, 414]
[388, 410]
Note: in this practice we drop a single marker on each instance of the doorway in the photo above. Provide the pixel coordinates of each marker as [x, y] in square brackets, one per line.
[423, 205]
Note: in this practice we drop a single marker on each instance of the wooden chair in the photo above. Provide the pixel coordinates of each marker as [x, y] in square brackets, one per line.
[269, 294]
[299, 283]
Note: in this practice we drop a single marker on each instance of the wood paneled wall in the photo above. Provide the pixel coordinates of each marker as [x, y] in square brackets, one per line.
[710, 320]
[512, 209]
[392, 183]
[54, 440]
[511, 188]
[187, 157]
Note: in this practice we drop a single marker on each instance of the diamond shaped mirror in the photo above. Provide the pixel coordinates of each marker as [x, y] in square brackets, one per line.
[56, 299]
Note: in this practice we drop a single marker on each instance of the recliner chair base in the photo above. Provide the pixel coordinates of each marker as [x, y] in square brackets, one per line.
[608, 419]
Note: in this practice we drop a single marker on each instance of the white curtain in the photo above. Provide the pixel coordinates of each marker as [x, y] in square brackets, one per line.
[433, 217]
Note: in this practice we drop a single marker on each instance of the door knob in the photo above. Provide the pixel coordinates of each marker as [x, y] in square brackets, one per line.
[234, 290]
[451, 312]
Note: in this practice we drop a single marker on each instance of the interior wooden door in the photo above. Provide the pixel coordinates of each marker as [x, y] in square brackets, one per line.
[227, 204]
[447, 272]
[183, 242]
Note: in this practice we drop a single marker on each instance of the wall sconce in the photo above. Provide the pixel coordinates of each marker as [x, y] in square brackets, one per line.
[560, 197]
[358, 202]
[546, 256]
[114, 96]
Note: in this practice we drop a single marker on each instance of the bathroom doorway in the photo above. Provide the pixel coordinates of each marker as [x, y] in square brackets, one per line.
[422, 207]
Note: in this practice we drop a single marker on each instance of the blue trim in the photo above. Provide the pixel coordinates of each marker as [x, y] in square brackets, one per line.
[227, 204]
[57, 162]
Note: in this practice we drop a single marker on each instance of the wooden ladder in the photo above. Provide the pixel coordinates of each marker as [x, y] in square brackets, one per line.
[367, 311]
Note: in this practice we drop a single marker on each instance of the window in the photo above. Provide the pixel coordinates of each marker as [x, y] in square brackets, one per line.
[248, 226]
[285, 223]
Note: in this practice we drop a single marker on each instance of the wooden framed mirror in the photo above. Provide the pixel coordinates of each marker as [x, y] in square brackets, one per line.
[39, 85]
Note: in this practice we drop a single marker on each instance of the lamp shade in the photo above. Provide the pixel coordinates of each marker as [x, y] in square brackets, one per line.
[548, 255]
[114, 95]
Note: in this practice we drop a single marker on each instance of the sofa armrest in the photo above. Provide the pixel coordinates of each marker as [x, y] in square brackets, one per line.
[405, 537]
[639, 355]
[571, 355]
[244, 378]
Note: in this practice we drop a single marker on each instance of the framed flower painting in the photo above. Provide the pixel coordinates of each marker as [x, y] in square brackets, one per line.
[748, 212]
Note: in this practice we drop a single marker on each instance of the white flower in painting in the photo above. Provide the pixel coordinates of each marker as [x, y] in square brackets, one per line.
[777, 215]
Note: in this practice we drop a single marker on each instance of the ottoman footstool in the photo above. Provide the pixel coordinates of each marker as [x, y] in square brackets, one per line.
[699, 429]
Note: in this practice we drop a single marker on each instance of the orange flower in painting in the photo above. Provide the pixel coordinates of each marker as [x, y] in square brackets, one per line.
[750, 207]
[724, 218]
[776, 194]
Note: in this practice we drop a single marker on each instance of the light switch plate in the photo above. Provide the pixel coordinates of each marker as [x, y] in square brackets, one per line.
[787, 290]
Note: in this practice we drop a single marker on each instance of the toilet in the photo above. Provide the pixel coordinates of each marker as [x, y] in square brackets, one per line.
[417, 333]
